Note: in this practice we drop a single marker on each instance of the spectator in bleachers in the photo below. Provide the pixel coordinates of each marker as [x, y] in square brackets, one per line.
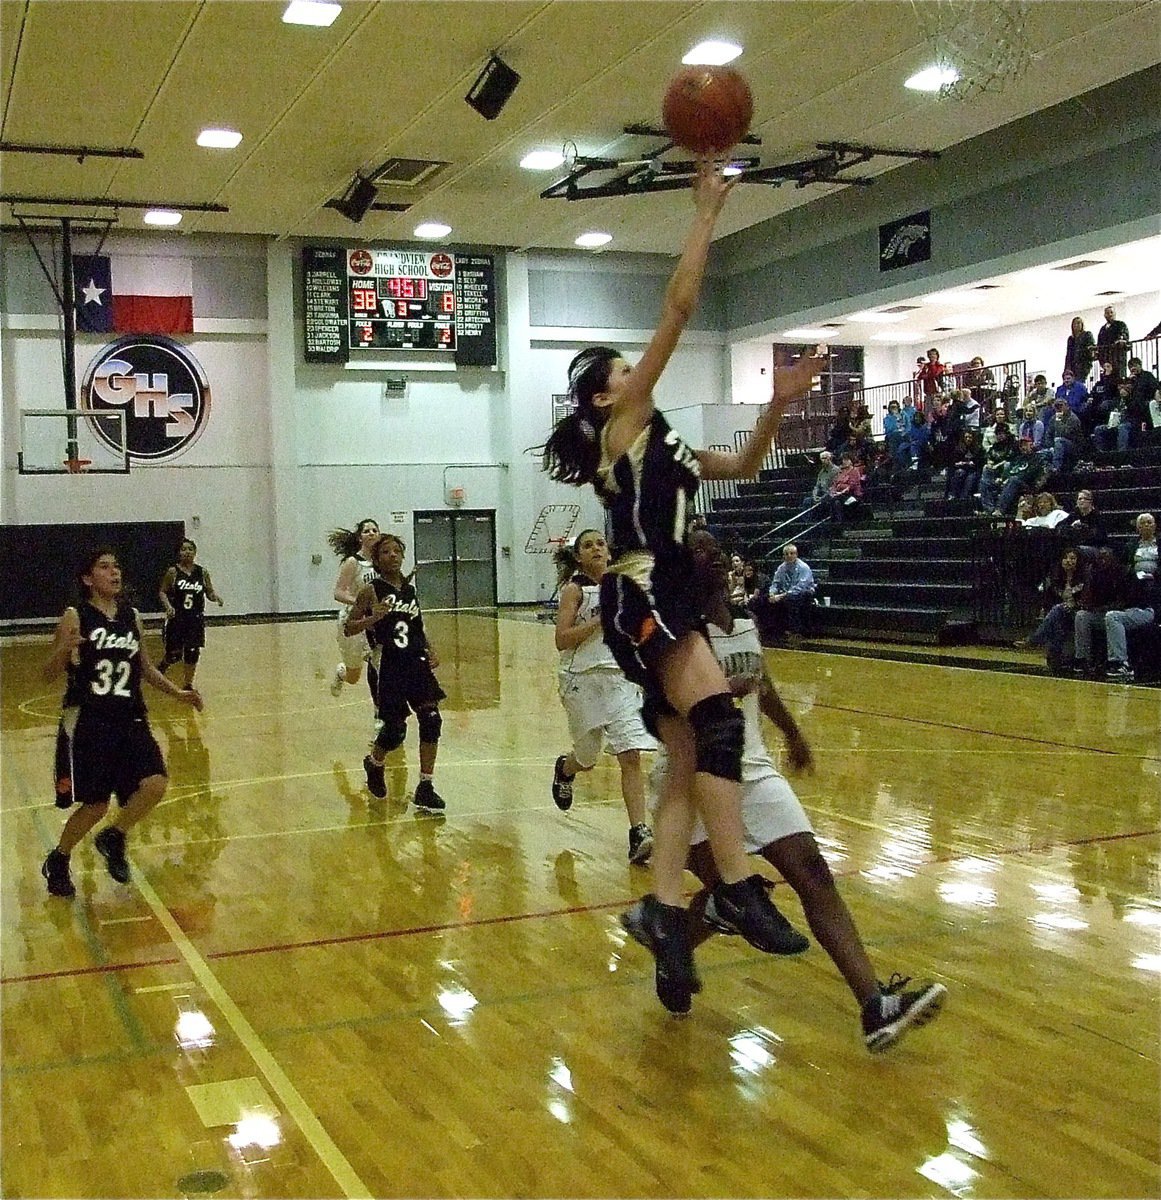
[1025, 508]
[839, 438]
[1105, 393]
[919, 441]
[1079, 351]
[1059, 593]
[861, 431]
[1063, 436]
[791, 594]
[1113, 342]
[1125, 601]
[1115, 430]
[1073, 391]
[894, 430]
[825, 477]
[1025, 472]
[1031, 426]
[1102, 592]
[756, 584]
[1010, 393]
[1142, 393]
[917, 381]
[737, 579]
[1145, 563]
[964, 472]
[1049, 514]
[988, 432]
[847, 488]
[995, 469]
[930, 376]
[1083, 528]
[981, 383]
[907, 415]
[1042, 397]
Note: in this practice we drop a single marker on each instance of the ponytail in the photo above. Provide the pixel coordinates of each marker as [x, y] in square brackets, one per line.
[565, 560]
[346, 542]
[572, 452]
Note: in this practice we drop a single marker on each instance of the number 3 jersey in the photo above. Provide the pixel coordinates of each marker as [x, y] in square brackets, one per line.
[398, 637]
[105, 681]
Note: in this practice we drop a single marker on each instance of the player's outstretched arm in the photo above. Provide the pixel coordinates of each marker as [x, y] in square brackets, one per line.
[771, 704]
[65, 643]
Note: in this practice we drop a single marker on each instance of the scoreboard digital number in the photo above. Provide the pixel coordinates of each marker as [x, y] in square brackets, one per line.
[362, 299]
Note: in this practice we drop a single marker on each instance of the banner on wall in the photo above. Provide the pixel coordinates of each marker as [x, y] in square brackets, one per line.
[905, 241]
[133, 294]
[162, 390]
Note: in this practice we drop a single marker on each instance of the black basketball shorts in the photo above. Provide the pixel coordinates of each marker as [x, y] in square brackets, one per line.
[99, 759]
[406, 689]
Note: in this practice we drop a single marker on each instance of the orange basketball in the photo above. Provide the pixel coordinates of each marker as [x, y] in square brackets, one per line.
[707, 109]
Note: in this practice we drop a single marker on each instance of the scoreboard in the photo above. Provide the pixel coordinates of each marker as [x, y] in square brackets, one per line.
[362, 299]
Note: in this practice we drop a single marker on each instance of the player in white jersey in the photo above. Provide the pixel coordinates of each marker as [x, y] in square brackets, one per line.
[776, 826]
[603, 707]
[353, 546]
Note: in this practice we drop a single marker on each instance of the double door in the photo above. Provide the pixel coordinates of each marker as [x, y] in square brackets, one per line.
[455, 558]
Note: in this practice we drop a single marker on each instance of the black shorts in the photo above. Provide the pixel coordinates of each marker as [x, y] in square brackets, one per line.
[641, 622]
[406, 689]
[100, 759]
[184, 636]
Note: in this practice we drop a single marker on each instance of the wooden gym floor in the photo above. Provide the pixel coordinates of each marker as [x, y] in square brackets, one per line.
[308, 993]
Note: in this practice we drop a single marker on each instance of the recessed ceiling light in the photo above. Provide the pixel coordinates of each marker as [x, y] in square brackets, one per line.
[542, 160]
[162, 216]
[712, 54]
[311, 12]
[219, 139]
[877, 317]
[432, 230]
[806, 332]
[931, 79]
[590, 241]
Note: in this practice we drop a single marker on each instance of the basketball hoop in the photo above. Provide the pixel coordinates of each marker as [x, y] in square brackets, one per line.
[77, 466]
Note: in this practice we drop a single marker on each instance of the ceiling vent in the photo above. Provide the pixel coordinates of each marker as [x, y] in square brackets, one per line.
[1108, 293]
[943, 329]
[405, 172]
[1081, 264]
[900, 308]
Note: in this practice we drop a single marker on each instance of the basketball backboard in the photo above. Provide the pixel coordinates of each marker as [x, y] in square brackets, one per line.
[53, 441]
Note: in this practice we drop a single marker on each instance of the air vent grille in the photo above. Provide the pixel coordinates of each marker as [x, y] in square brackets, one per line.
[1080, 264]
[405, 172]
[900, 308]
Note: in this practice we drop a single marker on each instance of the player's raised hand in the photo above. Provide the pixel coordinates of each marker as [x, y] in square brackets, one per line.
[795, 381]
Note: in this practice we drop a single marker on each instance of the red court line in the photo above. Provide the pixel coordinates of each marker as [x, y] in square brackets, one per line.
[384, 934]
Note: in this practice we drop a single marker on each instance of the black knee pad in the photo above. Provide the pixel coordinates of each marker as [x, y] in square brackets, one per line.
[392, 735]
[718, 735]
[430, 723]
[192, 654]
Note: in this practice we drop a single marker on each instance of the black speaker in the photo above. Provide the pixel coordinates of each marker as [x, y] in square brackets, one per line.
[490, 92]
[357, 199]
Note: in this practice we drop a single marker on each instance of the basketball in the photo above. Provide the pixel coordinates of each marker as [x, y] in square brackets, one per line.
[707, 110]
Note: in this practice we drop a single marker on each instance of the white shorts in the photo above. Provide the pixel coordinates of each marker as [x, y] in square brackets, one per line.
[770, 809]
[603, 709]
[353, 651]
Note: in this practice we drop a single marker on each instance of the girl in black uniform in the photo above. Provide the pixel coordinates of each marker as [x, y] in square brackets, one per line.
[184, 592]
[105, 744]
[646, 477]
[387, 610]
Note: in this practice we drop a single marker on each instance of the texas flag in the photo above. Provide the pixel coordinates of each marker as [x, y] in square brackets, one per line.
[133, 294]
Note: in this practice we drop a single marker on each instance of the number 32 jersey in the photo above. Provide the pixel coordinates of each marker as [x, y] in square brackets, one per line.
[105, 681]
[399, 636]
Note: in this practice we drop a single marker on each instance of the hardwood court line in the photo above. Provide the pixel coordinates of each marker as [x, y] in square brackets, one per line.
[572, 910]
[296, 1107]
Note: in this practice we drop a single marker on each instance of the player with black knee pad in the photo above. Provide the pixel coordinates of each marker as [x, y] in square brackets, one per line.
[647, 477]
[184, 591]
[388, 609]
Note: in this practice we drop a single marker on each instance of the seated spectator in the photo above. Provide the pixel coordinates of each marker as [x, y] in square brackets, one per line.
[791, 595]
[825, 477]
[847, 488]
[1116, 430]
[1031, 427]
[930, 376]
[861, 431]
[988, 432]
[1138, 407]
[1105, 393]
[1121, 600]
[1145, 552]
[1083, 528]
[995, 469]
[894, 430]
[737, 580]
[1074, 393]
[1010, 393]
[1025, 508]
[1049, 514]
[907, 415]
[1041, 397]
[1059, 593]
[1080, 351]
[756, 584]
[980, 382]
[839, 438]
[964, 472]
[1025, 472]
[1063, 436]
[919, 441]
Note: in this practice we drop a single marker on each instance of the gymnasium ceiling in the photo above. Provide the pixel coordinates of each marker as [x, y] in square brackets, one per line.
[388, 78]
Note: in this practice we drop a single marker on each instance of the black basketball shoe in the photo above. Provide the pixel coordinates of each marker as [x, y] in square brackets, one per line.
[55, 870]
[893, 1011]
[427, 797]
[745, 908]
[667, 930]
[376, 784]
[110, 843]
[562, 785]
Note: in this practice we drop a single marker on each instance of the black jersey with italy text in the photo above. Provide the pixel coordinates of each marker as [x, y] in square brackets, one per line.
[187, 593]
[399, 635]
[105, 682]
[649, 490]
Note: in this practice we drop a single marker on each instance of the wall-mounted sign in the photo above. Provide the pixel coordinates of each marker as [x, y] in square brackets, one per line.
[905, 241]
[159, 386]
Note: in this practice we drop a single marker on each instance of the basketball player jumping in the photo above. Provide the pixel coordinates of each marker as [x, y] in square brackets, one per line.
[353, 546]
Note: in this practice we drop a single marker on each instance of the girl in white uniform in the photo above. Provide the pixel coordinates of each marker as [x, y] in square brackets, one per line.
[603, 707]
[776, 826]
[353, 546]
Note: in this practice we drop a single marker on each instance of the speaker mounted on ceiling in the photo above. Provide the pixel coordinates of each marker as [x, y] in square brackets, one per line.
[490, 92]
[355, 202]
